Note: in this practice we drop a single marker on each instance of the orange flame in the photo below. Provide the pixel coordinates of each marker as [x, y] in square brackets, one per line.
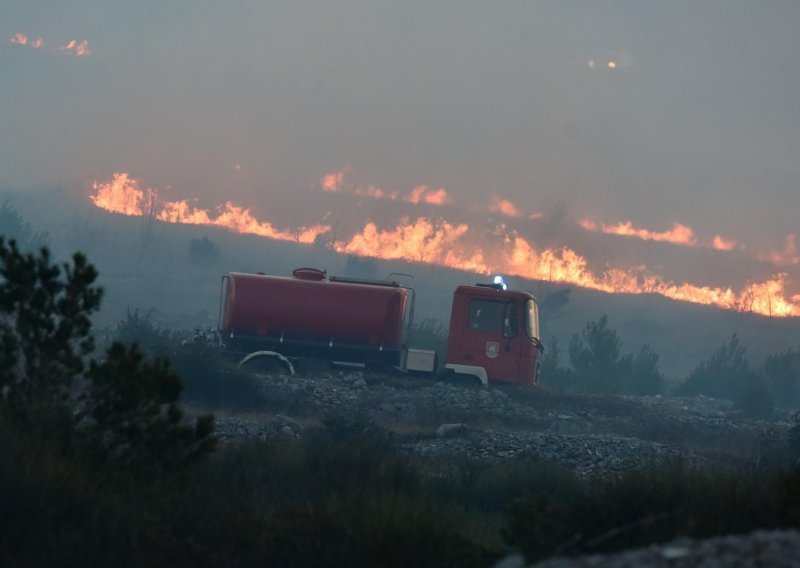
[123, 195]
[721, 243]
[22, 39]
[442, 243]
[509, 209]
[452, 245]
[375, 192]
[423, 241]
[79, 49]
[504, 207]
[332, 182]
[424, 194]
[679, 234]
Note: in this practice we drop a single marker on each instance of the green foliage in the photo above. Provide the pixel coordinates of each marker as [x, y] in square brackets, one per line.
[640, 507]
[126, 412]
[142, 330]
[599, 365]
[724, 375]
[135, 423]
[45, 325]
[211, 380]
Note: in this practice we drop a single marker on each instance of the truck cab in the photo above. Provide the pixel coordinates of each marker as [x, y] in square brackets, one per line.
[494, 335]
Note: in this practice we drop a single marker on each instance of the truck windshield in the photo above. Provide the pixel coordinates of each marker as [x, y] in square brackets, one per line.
[532, 319]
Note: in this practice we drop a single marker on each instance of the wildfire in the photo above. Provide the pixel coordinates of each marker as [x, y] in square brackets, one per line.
[509, 209]
[123, 195]
[22, 39]
[679, 234]
[79, 49]
[721, 243]
[454, 245]
[442, 243]
[424, 194]
[334, 183]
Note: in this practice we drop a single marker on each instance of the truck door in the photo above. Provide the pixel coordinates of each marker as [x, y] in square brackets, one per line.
[491, 339]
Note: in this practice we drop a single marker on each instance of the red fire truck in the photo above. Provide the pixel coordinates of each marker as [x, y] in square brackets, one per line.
[285, 321]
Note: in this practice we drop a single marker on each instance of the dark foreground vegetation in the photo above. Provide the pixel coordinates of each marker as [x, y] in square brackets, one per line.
[99, 465]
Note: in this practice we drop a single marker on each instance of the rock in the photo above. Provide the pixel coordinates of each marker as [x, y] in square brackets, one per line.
[452, 430]
[360, 383]
[280, 422]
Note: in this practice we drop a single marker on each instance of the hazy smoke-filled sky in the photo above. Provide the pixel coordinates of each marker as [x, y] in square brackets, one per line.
[697, 122]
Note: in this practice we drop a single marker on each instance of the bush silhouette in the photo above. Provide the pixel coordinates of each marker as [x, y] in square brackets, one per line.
[123, 409]
[599, 365]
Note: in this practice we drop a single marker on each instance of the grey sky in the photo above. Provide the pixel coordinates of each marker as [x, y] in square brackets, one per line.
[698, 123]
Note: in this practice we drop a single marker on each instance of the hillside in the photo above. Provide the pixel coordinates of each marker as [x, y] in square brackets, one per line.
[146, 265]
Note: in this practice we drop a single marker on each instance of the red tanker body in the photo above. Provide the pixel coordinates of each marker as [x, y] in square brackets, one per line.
[308, 314]
[275, 322]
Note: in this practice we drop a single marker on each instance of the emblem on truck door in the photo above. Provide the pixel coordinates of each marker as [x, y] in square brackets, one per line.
[492, 349]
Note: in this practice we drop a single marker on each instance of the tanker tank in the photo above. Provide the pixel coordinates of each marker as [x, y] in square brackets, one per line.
[308, 315]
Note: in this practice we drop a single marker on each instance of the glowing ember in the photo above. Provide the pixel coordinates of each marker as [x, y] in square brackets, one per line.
[332, 182]
[22, 39]
[123, 195]
[786, 257]
[375, 192]
[504, 207]
[453, 245]
[721, 243]
[78, 49]
[679, 234]
[424, 194]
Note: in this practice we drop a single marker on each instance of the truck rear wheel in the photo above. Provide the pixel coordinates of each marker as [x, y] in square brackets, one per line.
[267, 363]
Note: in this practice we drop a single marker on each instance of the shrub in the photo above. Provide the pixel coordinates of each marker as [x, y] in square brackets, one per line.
[212, 380]
[724, 375]
[641, 507]
[599, 365]
[45, 327]
[126, 409]
[142, 330]
[134, 422]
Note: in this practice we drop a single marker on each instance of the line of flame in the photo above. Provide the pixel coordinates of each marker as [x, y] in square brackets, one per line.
[443, 243]
[440, 243]
[123, 195]
[679, 234]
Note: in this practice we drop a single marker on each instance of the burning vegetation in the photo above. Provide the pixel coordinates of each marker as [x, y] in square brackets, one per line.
[460, 246]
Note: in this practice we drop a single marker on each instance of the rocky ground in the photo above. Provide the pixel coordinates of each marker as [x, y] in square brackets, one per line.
[589, 434]
[770, 549]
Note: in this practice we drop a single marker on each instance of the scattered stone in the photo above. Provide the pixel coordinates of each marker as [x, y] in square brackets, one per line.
[452, 430]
